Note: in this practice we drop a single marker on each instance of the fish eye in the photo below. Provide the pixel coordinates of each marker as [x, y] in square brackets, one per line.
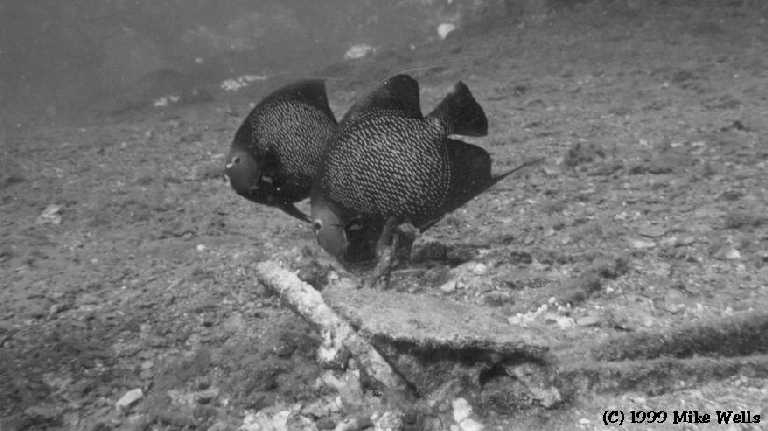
[317, 224]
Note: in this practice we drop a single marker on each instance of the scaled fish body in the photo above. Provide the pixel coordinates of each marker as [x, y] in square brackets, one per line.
[389, 161]
[277, 149]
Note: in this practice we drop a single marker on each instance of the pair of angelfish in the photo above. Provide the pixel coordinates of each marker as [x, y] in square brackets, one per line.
[376, 178]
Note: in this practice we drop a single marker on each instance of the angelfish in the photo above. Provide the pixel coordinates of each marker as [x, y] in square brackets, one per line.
[277, 149]
[391, 170]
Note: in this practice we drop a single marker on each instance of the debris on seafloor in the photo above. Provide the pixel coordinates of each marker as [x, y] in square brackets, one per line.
[444, 29]
[235, 84]
[463, 415]
[339, 335]
[359, 50]
[417, 342]
[165, 101]
[404, 342]
[50, 215]
[130, 398]
[270, 419]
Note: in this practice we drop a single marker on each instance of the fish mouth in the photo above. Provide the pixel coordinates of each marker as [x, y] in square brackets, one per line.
[232, 163]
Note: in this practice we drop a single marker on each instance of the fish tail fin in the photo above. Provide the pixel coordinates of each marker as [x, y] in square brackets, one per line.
[460, 113]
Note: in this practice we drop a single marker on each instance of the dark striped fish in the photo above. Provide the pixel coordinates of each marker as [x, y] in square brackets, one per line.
[277, 149]
[389, 163]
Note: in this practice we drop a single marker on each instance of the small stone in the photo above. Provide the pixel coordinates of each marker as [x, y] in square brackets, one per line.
[448, 286]
[444, 29]
[206, 396]
[589, 320]
[130, 398]
[461, 409]
[470, 424]
[727, 252]
[652, 231]
[358, 51]
[584, 421]
[200, 248]
[641, 244]
[57, 308]
[50, 215]
[480, 269]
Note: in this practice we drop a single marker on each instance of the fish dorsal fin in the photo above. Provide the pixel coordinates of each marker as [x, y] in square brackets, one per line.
[399, 93]
[309, 91]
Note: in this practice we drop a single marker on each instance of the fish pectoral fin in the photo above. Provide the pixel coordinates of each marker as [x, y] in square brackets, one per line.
[405, 235]
[394, 242]
[528, 163]
[290, 209]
